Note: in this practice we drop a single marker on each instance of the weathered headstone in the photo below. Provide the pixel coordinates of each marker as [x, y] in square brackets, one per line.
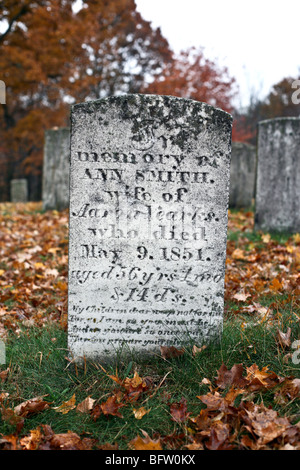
[242, 175]
[278, 176]
[2, 92]
[19, 190]
[55, 192]
[149, 190]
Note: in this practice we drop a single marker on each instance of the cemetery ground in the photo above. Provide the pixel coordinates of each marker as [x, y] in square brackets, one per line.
[240, 394]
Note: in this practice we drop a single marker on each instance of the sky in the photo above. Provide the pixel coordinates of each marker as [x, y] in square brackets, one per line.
[258, 40]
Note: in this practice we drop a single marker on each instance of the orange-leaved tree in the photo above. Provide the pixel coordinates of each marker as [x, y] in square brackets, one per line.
[281, 101]
[192, 75]
[52, 55]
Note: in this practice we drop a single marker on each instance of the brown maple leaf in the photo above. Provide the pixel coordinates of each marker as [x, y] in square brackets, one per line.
[266, 423]
[146, 443]
[65, 441]
[86, 405]
[258, 379]
[179, 411]
[32, 406]
[219, 437]
[168, 352]
[111, 407]
[4, 374]
[32, 441]
[66, 406]
[213, 401]
[234, 376]
[136, 386]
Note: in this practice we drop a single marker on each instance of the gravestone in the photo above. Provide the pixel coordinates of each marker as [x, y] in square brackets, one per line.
[19, 190]
[242, 175]
[55, 186]
[278, 176]
[149, 190]
[2, 92]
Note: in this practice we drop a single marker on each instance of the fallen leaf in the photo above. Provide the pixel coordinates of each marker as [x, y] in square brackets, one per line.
[241, 297]
[96, 412]
[66, 441]
[145, 443]
[9, 416]
[259, 379]
[234, 376]
[275, 285]
[86, 405]
[238, 254]
[66, 406]
[197, 350]
[213, 401]
[266, 423]
[284, 339]
[111, 407]
[296, 237]
[32, 441]
[168, 352]
[140, 412]
[179, 411]
[4, 374]
[108, 446]
[9, 442]
[266, 238]
[3, 396]
[289, 390]
[32, 406]
[136, 386]
[219, 434]
[51, 272]
[194, 446]
[134, 382]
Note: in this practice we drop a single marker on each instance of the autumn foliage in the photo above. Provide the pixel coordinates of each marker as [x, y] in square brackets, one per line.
[52, 56]
[192, 75]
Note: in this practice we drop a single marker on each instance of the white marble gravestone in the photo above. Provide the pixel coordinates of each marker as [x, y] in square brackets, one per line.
[278, 176]
[149, 190]
[55, 190]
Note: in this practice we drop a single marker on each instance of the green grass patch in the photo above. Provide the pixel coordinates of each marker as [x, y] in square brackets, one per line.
[38, 364]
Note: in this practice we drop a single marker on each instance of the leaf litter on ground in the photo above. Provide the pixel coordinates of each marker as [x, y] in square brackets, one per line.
[33, 291]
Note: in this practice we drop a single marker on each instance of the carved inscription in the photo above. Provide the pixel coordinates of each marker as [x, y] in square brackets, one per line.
[148, 221]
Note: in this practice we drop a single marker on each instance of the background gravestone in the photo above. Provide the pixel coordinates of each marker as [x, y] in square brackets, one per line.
[278, 175]
[55, 191]
[19, 190]
[242, 175]
[149, 189]
[2, 92]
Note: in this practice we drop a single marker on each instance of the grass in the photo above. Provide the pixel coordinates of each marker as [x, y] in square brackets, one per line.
[38, 366]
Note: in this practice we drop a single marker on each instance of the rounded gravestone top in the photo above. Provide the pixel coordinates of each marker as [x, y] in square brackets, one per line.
[278, 120]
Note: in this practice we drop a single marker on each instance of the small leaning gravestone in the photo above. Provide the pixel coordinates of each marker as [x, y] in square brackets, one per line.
[19, 190]
[149, 188]
[242, 175]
